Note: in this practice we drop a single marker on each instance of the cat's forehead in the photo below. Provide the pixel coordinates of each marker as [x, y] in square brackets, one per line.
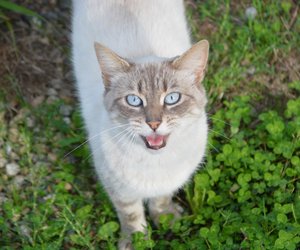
[153, 76]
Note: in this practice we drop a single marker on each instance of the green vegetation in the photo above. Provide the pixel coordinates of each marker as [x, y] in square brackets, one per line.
[245, 196]
[6, 7]
[248, 193]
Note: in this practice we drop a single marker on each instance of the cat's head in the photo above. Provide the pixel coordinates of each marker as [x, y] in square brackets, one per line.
[155, 99]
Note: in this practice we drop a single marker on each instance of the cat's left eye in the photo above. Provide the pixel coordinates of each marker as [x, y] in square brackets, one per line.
[134, 100]
[172, 98]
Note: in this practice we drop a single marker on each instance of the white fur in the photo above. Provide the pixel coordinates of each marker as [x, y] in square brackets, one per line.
[133, 29]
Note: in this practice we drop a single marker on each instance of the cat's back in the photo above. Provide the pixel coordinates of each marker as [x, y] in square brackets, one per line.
[132, 28]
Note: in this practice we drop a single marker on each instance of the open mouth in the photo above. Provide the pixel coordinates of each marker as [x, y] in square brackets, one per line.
[155, 141]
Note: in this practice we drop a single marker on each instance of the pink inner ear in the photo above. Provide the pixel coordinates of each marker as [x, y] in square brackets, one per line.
[194, 60]
[199, 72]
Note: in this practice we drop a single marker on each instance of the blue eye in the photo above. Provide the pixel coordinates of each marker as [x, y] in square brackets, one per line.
[172, 98]
[134, 100]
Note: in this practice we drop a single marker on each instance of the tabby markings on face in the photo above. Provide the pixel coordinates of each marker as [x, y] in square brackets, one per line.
[154, 98]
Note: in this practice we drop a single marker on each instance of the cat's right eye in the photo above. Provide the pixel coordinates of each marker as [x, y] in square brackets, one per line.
[134, 100]
[172, 98]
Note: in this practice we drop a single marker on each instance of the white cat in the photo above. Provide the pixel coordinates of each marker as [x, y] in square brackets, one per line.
[144, 107]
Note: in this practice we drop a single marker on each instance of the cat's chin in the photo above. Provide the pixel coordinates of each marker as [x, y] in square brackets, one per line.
[155, 141]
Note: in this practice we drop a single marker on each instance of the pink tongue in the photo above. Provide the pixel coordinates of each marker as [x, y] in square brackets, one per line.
[155, 140]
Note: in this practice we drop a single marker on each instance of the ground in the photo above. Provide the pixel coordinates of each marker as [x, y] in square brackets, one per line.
[49, 196]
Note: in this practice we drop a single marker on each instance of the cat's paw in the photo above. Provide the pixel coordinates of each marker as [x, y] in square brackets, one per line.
[125, 244]
[171, 208]
[177, 210]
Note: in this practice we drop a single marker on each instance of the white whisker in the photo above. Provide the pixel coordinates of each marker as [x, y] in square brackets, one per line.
[213, 147]
[93, 137]
[218, 133]
[121, 134]
[125, 131]
[219, 120]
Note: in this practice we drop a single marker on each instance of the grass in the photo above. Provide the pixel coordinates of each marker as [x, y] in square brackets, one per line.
[247, 194]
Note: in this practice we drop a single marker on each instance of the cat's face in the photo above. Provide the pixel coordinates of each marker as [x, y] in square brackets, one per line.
[154, 99]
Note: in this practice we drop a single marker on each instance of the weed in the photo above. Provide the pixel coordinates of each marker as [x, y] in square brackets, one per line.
[245, 196]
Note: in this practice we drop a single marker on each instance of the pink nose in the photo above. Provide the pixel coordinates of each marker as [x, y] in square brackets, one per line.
[154, 124]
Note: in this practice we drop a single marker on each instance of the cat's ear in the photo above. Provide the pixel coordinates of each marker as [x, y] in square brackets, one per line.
[194, 60]
[110, 63]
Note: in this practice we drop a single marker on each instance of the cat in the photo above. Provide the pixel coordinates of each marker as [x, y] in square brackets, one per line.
[139, 85]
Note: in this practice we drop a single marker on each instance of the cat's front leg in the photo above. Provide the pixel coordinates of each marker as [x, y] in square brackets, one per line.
[163, 205]
[132, 219]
